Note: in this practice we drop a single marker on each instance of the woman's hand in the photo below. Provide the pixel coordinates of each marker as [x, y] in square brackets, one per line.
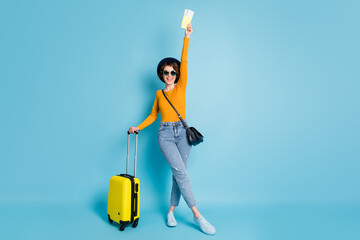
[133, 129]
[188, 30]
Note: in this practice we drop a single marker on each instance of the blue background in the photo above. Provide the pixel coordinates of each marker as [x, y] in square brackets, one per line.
[272, 85]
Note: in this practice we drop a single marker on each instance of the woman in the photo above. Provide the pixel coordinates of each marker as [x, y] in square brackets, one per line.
[172, 134]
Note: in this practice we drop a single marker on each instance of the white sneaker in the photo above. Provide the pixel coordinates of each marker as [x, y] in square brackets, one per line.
[205, 226]
[171, 222]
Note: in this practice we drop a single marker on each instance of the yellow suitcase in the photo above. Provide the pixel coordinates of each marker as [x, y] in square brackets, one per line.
[124, 196]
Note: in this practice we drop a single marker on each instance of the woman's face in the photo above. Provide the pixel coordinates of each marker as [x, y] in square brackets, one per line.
[168, 75]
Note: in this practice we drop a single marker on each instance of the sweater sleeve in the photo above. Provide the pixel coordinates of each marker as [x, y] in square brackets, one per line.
[152, 117]
[183, 64]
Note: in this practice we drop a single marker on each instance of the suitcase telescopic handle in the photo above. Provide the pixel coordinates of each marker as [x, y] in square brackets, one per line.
[127, 157]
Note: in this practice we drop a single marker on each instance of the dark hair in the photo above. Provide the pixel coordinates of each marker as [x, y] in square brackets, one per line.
[174, 65]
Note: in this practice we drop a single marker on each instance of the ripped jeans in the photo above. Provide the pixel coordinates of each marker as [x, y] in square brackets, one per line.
[175, 148]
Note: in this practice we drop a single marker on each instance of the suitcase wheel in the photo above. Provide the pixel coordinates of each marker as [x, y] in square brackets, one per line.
[110, 221]
[135, 223]
[122, 227]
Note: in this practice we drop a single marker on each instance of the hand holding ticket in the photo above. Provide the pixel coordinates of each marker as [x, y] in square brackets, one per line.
[188, 30]
[188, 15]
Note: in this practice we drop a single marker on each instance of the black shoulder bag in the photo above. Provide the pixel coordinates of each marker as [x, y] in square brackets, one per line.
[193, 135]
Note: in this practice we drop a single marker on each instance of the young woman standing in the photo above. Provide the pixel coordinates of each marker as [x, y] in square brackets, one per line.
[172, 134]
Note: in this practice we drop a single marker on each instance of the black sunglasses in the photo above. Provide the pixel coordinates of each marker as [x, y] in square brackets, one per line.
[173, 73]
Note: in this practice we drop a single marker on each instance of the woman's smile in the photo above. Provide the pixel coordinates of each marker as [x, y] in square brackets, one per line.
[170, 79]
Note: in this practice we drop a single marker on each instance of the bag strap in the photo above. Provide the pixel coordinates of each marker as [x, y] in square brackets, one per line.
[182, 120]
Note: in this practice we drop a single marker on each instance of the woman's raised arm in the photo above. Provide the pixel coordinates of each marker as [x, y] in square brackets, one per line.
[183, 65]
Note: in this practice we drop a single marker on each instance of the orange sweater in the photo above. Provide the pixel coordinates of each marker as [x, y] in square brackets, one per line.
[176, 96]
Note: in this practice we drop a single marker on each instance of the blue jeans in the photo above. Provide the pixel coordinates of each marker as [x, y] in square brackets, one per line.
[175, 148]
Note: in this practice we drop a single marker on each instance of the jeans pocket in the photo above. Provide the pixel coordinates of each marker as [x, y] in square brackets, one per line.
[162, 129]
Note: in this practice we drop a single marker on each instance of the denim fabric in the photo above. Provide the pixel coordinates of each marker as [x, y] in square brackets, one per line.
[175, 148]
